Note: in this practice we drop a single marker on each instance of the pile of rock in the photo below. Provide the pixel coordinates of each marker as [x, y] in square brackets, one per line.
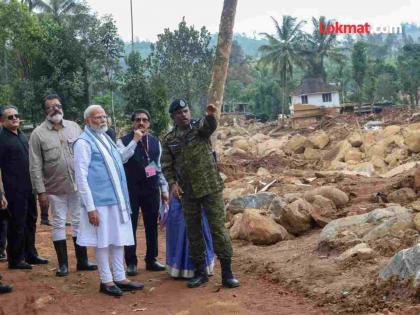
[376, 151]
[265, 218]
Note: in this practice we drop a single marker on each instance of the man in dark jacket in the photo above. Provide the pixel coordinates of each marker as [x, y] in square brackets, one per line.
[146, 186]
[14, 165]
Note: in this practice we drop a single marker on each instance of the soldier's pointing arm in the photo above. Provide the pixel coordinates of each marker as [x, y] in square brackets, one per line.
[208, 124]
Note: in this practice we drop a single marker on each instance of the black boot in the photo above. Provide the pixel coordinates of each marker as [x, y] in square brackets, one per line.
[63, 264]
[228, 280]
[82, 259]
[200, 277]
[5, 288]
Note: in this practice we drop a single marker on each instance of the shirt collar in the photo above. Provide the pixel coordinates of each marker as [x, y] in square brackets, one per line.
[10, 132]
[50, 125]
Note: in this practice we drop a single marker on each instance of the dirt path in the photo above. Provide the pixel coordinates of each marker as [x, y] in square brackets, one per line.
[40, 292]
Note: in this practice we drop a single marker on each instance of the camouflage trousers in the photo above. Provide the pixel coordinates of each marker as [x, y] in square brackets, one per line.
[215, 212]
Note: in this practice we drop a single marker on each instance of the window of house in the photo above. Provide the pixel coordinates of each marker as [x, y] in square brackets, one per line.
[326, 97]
[304, 99]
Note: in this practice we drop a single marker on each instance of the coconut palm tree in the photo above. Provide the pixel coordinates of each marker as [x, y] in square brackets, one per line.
[282, 51]
[57, 8]
[316, 47]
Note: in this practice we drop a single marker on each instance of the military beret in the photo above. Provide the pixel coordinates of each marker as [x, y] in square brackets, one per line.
[177, 104]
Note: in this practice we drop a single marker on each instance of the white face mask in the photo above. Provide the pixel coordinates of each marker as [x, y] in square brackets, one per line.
[100, 129]
[56, 118]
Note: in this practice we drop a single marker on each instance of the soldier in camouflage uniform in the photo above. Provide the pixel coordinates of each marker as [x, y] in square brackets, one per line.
[190, 169]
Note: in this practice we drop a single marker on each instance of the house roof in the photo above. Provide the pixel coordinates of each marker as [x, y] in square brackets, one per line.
[314, 85]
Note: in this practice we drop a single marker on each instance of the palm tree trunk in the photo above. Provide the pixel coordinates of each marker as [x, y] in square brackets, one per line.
[221, 63]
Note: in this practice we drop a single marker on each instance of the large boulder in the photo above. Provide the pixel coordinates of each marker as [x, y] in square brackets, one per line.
[378, 163]
[277, 206]
[324, 210]
[260, 200]
[312, 154]
[339, 197]
[271, 146]
[258, 229]
[233, 192]
[295, 217]
[258, 138]
[319, 140]
[402, 196]
[353, 154]
[416, 221]
[236, 152]
[349, 231]
[396, 156]
[404, 265]
[297, 144]
[412, 140]
[235, 228]
[355, 139]
[391, 131]
[242, 144]
[342, 148]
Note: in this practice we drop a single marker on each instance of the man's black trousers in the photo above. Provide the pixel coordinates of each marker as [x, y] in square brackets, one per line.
[21, 226]
[149, 203]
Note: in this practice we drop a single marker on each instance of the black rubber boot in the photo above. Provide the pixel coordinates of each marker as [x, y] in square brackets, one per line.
[63, 264]
[200, 277]
[82, 259]
[228, 280]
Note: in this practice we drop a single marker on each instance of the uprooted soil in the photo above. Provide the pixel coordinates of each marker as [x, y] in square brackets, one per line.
[39, 291]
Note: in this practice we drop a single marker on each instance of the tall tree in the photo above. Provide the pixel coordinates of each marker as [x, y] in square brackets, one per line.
[282, 51]
[316, 47]
[147, 93]
[409, 69]
[183, 59]
[359, 63]
[221, 63]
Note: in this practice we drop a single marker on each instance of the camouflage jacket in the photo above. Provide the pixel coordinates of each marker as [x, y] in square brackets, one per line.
[187, 158]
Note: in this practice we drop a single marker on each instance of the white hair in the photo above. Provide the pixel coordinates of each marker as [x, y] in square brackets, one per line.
[90, 109]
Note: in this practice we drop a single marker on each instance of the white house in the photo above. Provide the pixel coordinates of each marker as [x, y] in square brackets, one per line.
[314, 91]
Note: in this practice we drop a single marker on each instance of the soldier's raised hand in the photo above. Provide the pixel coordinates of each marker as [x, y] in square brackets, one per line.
[211, 109]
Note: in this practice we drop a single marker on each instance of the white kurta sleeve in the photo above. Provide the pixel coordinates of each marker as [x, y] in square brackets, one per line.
[82, 157]
[126, 151]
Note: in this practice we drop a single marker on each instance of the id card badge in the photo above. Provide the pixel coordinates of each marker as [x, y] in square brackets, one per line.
[151, 169]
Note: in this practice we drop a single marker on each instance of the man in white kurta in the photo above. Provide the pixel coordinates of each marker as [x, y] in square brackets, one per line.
[105, 218]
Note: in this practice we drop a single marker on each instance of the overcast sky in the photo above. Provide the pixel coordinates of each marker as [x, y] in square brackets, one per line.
[252, 16]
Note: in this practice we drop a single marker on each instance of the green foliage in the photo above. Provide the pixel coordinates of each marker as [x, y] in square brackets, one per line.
[183, 59]
[359, 62]
[282, 52]
[57, 46]
[409, 70]
[140, 92]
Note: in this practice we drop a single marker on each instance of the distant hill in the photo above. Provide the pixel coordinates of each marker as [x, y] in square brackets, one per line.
[249, 45]
[143, 47]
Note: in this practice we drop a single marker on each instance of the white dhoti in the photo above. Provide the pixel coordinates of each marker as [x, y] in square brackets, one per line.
[111, 230]
[114, 230]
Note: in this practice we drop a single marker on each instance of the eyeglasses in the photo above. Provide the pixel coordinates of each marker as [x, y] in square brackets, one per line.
[58, 106]
[139, 119]
[100, 117]
[11, 117]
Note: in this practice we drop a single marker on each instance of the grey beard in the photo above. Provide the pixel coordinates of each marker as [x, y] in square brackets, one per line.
[56, 118]
[100, 129]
